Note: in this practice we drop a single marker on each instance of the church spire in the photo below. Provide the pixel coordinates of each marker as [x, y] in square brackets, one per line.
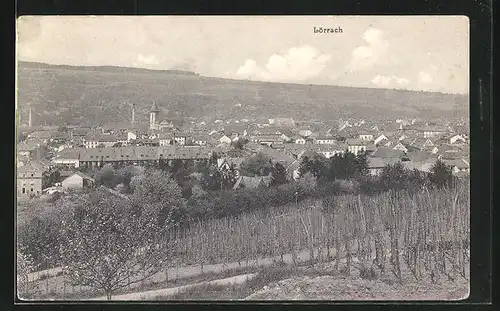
[154, 107]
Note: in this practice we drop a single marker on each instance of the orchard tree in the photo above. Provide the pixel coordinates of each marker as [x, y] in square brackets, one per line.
[157, 191]
[107, 244]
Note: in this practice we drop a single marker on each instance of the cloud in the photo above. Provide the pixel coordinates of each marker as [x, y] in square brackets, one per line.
[297, 64]
[424, 77]
[366, 56]
[146, 60]
[248, 69]
[392, 81]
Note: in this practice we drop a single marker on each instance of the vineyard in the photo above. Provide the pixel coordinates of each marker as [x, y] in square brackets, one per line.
[426, 233]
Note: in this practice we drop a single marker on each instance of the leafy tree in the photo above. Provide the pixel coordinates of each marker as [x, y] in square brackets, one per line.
[316, 165]
[361, 164]
[441, 175]
[125, 175]
[394, 176]
[305, 166]
[239, 144]
[278, 175]
[25, 266]
[107, 176]
[344, 166]
[50, 177]
[213, 159]
[306, 184]
[256, 165]
[108, 245]
[157, 191]
[219, 179]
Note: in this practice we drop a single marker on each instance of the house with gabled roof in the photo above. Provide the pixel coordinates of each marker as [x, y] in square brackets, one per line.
[322, 140]
[28, 148]
[365, 136]
[69, 157]
[422, 143]
[380, 138]
[457, 165]
[78, 180]
[29, 178]
[331, 150]
[400, 146]
[165, 139]
[356, 146]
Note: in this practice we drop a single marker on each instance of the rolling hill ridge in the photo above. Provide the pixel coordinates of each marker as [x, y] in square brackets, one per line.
[98, 95]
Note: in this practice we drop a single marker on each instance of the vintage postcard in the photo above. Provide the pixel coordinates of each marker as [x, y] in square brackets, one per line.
[255, 158]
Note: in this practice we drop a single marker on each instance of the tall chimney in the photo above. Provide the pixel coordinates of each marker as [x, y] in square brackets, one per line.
[133, 113]
[29, 119]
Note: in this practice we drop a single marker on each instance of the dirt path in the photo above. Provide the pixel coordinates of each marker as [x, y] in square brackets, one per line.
[152, 294]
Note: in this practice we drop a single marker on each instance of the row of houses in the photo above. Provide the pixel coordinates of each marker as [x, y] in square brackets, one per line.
[76, 157]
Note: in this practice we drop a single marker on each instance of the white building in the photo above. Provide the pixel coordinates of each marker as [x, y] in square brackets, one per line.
[78, 181]
[324, 140]
[365, 137]
[356, 146]
[300, 141]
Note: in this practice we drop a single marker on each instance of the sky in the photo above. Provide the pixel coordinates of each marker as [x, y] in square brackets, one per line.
[429, 53]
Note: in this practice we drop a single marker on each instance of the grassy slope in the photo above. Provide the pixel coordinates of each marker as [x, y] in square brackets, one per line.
[96, 95]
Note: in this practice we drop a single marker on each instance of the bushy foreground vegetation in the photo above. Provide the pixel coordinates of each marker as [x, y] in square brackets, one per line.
[416, 220]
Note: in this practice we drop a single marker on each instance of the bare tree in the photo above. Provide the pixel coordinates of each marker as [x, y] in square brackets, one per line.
[108, 245]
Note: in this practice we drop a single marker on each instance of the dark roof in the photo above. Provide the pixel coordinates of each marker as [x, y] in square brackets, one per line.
[376, 162]
[32, 166]
[382, 152]
[68, 153]
[144, 153]
[27, 145]
[419, 155]
[356, 142]
[272, 138]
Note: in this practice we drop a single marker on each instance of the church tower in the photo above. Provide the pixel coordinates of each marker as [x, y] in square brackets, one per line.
[153, 116]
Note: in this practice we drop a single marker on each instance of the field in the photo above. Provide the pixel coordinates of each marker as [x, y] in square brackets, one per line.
[81, 96]
[420, 238]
